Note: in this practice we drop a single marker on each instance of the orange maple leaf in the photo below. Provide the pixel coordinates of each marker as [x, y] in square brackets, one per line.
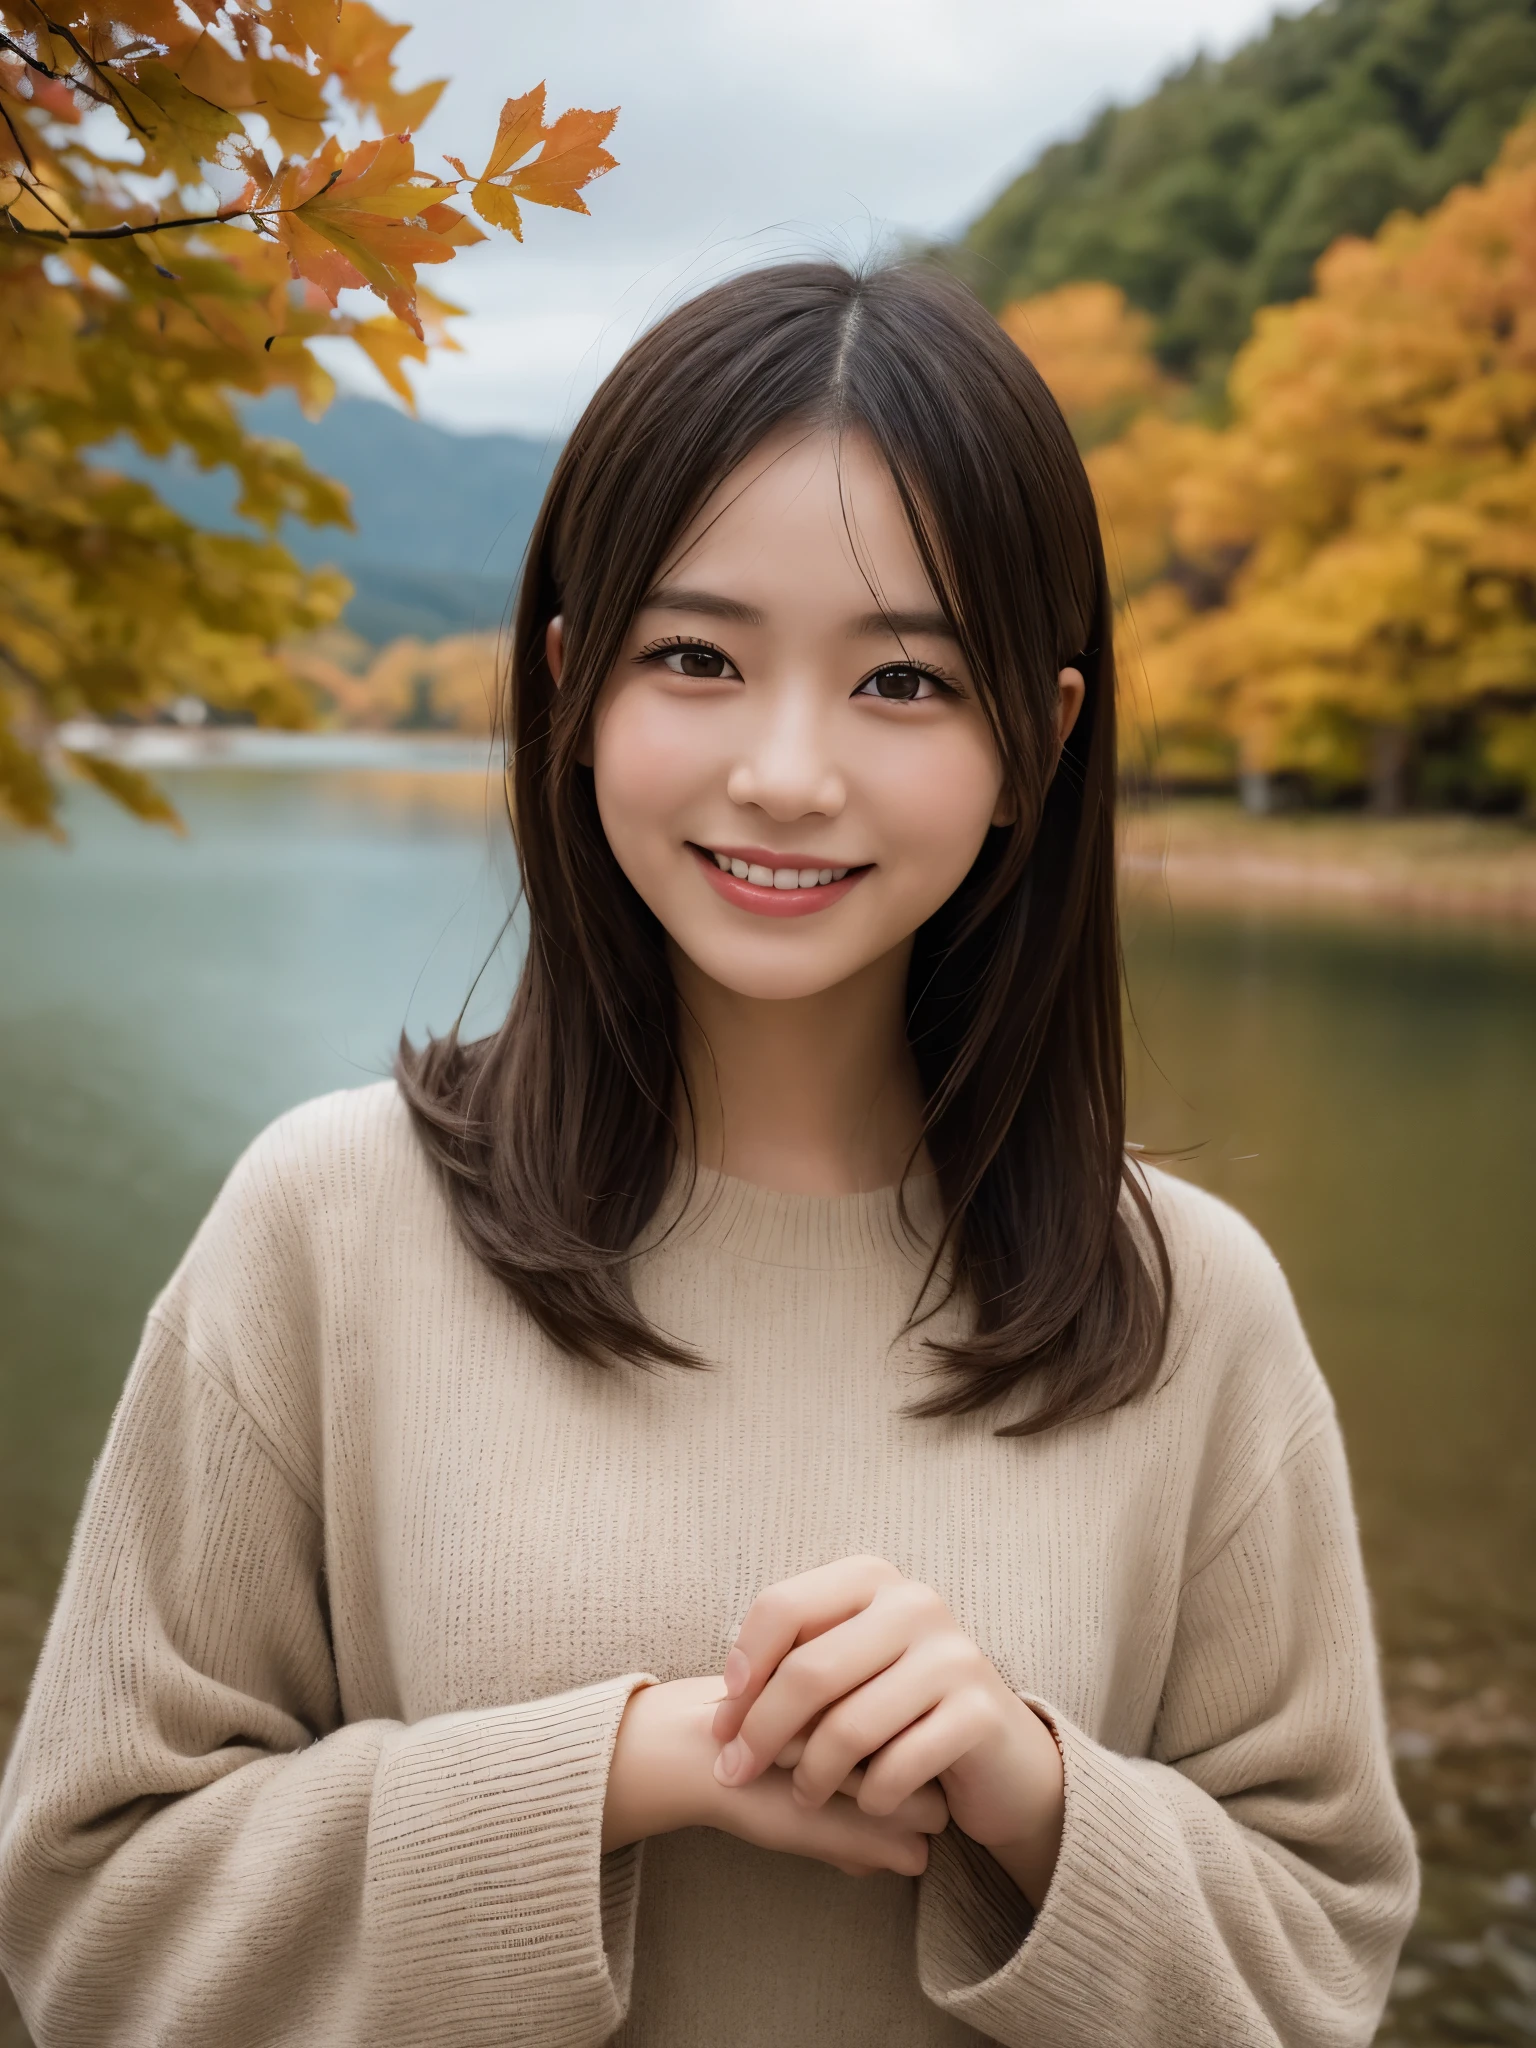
[381, 177]
[518, 130]
[389, 344]
[571, 156]
[453, 226]
[360, 48]
[367, 217]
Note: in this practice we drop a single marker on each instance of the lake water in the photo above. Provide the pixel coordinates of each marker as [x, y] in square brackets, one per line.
[1365, 1092]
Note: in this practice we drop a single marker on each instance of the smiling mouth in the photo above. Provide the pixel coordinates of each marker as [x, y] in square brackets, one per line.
[763, 877]
[778, 889]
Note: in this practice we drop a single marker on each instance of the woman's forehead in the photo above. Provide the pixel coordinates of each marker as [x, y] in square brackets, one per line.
[809, 510]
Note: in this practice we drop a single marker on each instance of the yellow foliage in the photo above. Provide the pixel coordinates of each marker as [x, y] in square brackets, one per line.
[1356, 553]
[184, 245]
[1136, 481]
[1092, 348]
[445, 685]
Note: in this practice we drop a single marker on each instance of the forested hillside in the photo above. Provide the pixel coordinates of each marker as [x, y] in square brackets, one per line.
[1218, 193]
[439, 519]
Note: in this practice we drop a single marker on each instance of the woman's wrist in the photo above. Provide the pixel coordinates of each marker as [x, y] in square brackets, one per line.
[1030, 1857]
[661, 1774]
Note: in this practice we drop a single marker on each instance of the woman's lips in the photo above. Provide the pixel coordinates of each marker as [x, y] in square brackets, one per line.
[770, 902]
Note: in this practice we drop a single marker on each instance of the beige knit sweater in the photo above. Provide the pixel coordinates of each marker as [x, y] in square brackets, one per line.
[316, 1752]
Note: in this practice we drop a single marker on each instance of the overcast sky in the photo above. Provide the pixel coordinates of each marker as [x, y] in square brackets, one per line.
[750, 129]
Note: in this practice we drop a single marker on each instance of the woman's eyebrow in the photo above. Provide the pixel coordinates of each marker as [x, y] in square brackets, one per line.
[711, 604]
[899, 623]
[671, 597]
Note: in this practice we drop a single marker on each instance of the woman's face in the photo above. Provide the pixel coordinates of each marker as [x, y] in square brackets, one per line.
[791, 764]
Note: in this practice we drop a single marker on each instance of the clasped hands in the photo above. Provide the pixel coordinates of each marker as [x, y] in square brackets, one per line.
[854, 1719]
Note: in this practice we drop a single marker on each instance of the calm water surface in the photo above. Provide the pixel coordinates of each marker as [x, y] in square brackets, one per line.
[1366, 1093]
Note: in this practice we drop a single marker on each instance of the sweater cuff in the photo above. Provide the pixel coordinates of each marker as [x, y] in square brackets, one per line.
[487, 1894]
[1023, 1977]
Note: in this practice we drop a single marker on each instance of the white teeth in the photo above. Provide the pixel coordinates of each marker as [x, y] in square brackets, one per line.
[775, 878]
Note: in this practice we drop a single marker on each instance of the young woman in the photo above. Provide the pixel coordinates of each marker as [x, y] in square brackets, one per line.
[729, 1512]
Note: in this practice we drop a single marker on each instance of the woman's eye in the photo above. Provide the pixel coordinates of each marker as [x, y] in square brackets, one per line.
[697, 661]
[900, 684]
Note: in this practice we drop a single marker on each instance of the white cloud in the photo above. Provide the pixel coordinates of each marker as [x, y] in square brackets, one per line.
[751, 130]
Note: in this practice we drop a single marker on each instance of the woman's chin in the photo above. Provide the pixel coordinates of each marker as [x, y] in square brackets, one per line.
[752, 972]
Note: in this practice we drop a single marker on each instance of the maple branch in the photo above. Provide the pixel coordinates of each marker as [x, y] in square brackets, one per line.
[16, 138]
[47, 71]
[102, 69]
[258, 216]
[148, 227]
[31, 184]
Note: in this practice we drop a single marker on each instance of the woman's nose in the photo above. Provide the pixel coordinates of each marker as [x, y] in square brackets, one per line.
[786, 766]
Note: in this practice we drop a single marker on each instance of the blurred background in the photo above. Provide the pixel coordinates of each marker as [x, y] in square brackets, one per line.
[1281, 272]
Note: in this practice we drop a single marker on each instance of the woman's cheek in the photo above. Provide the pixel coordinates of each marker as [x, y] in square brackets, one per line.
[937, 803]
[644, 772]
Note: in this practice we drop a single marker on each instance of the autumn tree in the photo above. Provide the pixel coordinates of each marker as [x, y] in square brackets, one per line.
[1351, 565]
[1129, 418]
[449, 684]
[189, 191]
[1094, 350]
[1218, 192]
[1348, 570]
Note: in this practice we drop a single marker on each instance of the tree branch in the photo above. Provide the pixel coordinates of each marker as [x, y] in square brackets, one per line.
[16, 138]
[148, 227]
[111, 97]
[47, 71]
[32, 184]
[102, 71]
[258, 216]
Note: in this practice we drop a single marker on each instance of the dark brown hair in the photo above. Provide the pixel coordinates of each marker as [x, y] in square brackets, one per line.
[557, 1135]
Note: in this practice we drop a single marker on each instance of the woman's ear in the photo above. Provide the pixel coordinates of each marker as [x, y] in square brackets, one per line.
[554, 654]
[1073, 690]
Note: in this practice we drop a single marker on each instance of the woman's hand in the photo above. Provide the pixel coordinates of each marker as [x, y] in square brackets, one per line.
[662, 1776]
[854, 1665]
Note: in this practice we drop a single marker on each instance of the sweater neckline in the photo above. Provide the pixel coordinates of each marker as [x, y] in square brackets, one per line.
[741, 1219]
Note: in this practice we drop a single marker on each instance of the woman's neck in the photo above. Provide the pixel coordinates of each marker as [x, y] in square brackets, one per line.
[817, 1095]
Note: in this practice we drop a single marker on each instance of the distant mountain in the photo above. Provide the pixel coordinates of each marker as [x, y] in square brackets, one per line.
[1217, 193]
[442, 518]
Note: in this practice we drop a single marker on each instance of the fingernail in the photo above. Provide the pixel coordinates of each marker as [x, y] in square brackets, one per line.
[728, 1764]
[737, 1671]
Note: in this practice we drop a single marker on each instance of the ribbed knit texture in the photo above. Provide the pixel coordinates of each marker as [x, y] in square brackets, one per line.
[317, 1749]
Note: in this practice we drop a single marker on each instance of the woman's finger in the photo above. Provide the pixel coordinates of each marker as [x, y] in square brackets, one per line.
[814, 1674]
[793, 1611]
[838, 1833]
[898, 1772]
[926, 1809]
[868, 1718]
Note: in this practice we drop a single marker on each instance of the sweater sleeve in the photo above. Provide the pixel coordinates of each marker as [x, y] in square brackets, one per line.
[196, 1849]
[1249, 1884]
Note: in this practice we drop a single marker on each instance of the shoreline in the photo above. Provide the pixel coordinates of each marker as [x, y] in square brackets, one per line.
[1453, 866]
[1195, 850]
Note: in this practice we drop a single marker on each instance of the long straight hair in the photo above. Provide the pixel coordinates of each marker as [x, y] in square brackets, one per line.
[557, 1135]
